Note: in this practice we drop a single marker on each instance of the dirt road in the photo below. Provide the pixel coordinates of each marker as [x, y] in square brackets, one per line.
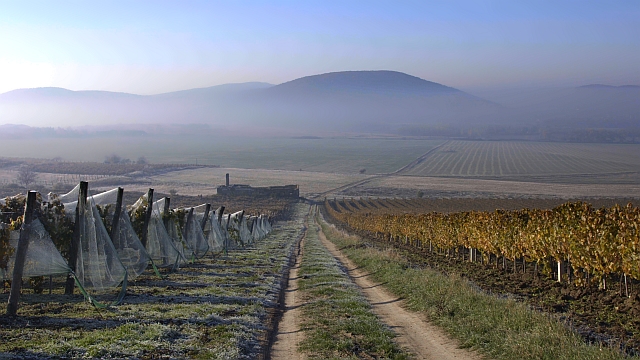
[414, 333]
[289, 333]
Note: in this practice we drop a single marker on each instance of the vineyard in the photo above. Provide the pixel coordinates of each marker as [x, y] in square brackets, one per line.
[149, 280]
[108, 242]
[513, 159]
[573, 258]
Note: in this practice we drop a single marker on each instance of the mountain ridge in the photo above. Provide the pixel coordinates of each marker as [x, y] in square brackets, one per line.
[347, 101]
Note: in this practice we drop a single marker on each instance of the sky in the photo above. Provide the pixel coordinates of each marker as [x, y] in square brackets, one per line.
[150, 47]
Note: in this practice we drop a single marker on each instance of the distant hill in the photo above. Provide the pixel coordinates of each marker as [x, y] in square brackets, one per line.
[368, 101]
[391, 83]
[361, 101]
[349, 101]
[602, 86]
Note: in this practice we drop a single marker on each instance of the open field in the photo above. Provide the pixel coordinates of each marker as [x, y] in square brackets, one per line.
[440, 187]
[339, 155]
[331, 167]
[210, 178]
[566, 162]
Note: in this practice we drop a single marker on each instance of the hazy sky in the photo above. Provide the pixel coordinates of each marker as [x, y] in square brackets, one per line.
[157, 46]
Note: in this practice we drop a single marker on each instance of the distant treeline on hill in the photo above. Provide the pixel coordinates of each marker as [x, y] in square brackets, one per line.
[498, 132]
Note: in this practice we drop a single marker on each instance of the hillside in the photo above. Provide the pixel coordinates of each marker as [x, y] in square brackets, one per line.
[348, 101]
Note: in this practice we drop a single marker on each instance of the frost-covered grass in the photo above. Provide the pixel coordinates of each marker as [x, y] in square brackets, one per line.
[499, 328]
[337, 320]
[216, 308]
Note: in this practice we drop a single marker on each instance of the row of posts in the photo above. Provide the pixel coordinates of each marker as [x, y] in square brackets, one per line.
[23, 242]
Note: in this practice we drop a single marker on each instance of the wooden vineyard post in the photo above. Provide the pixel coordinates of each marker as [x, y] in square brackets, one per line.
[116, 214]
[207, 209]
[226, 244]
[21, 254]
[75, 240]
[147, 218]
[220, 211]
[188, 223]
[165, 210]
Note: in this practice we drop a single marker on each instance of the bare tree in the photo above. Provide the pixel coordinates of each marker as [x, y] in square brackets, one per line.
[142, 161]
[112, 159]
[26, 176]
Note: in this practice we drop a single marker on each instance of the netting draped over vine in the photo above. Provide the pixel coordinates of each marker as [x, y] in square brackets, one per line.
[160, 245]
[215, 234]
[252, 224]
[130, 250]
[267, 224]
[258, 229]
[69, 197]
[231, 234]
[237, 228]
[98, 266]
[43, 258]
[193, 236]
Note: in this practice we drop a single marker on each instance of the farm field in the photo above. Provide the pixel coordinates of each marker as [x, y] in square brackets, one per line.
[565, 162]
[444, 187]
[330, 155]
[220, 307]
[598, 303]
[421, 206]
[206, 180]
[331, 167]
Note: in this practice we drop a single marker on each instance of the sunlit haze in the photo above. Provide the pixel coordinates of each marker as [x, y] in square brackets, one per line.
[151, 47]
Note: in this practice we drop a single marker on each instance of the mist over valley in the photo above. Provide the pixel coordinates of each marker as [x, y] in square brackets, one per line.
[351, 102]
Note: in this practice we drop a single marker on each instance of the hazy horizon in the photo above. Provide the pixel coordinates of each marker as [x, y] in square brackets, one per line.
[157, 47]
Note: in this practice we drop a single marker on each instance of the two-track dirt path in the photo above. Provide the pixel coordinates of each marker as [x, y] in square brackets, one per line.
[413, 332]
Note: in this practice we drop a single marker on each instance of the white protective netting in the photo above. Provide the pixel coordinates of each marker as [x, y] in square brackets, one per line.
[193, 236]
[218, 237]
[161, 246]
[130, 250]
[98, 265]
[267, 224]
[69, 197]
[257, 231]
[237, 228]
[213, 231]
[43, 258]
[231, 234]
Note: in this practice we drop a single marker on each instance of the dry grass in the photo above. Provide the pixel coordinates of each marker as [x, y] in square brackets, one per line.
[500, 328]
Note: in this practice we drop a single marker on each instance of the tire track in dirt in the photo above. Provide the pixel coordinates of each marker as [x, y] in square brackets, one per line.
[414, 333]
[289, 333]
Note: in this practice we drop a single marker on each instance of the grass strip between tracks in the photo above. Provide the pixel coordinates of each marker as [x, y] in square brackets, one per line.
[338, 322]
[500, 328]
